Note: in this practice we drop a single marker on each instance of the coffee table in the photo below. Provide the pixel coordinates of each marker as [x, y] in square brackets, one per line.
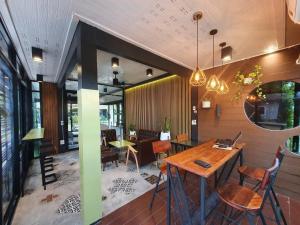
[123, 144]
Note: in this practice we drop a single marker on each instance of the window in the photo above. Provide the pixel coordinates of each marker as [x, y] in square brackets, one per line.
[36, 104]
[7, 144]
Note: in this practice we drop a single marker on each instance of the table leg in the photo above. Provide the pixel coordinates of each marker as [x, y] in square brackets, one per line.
[168, 195]
[202, 200]
[241, 163]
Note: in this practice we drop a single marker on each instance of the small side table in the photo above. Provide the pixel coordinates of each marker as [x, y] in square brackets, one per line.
[122, 144]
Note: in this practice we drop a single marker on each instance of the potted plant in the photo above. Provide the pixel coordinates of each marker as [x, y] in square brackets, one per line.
[132, 131]
[166, 130]
[253, 78]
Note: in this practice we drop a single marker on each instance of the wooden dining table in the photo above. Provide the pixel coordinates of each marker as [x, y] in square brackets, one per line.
[218, 159]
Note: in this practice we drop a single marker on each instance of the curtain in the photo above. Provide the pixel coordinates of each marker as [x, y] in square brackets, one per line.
[148, 105]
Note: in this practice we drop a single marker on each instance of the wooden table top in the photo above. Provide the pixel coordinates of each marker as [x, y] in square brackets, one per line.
[205, 152]
[121, 143]
[34, 134]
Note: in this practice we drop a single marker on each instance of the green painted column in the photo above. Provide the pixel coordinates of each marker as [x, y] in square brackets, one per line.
[89, 154]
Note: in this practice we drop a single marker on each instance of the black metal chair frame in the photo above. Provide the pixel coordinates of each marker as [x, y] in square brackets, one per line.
[279, 215]
[250, 216]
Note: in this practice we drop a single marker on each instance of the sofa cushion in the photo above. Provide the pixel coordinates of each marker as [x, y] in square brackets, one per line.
[110, 135]
[146, 134]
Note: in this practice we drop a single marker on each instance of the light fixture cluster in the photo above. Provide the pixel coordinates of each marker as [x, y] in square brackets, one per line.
[115, 65]
[198, 77]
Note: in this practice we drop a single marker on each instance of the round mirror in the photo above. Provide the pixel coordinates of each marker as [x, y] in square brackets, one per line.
[274, 105]
[293, 144]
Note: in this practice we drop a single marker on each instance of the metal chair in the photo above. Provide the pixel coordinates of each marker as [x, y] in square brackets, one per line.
[246, 201]
[257, 174]
[161, 147]
[181, 138]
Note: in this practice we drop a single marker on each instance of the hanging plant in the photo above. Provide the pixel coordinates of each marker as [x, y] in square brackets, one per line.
[253, 78]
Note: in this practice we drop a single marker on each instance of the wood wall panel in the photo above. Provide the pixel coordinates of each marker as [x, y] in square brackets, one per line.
[261, 143]
[50, 113]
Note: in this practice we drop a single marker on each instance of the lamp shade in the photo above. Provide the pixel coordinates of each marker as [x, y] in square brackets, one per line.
[114, 62]
[198, 78]
[226, 53]
[39, 78]
[213, 83]
[149, 72]
[223, 88]
[37, 54]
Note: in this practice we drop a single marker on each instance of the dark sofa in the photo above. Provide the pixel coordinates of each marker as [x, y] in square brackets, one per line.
[143, 145]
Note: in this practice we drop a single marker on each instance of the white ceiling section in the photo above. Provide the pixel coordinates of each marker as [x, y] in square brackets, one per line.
[129, 71]
[163, 27]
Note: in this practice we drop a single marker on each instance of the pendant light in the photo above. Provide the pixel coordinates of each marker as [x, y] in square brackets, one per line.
[223, 89]
[198, 77]
[213, 83]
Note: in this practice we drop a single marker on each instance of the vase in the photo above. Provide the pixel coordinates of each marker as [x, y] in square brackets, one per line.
[164, 136]
[132, 132]
[248, 80]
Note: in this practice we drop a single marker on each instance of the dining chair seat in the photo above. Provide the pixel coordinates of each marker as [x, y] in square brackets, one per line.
[256, 174]
[240, 197]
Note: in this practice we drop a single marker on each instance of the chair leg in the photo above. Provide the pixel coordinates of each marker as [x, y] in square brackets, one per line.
[155, 191]
[136, 162]
[275, 210]
[251, 219]
[127, 156]
[242, 180]
[184, 176]
[116, 162]
[262, 218]
[278, 205]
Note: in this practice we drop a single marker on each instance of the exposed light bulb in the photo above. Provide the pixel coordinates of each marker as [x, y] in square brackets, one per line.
[198, 78]
[223, 89]
[213, 83]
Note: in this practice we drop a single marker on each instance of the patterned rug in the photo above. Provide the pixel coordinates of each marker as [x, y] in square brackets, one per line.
[60, 203]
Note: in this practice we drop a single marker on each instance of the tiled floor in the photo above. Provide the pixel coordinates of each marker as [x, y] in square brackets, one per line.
[138, 213]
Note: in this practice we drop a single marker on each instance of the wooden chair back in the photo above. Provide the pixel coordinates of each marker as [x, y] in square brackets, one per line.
[270, 175]
[161, 146]
[182, 137]
[279, 154]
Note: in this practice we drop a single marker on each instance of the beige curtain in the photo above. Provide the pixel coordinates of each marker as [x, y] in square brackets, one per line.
[147, 105]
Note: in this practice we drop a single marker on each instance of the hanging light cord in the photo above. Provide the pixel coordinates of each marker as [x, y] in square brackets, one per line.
[213, 51]
[197, 41]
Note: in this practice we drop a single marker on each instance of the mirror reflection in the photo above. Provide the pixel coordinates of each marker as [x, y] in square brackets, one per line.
[277, 107]
[293, 144]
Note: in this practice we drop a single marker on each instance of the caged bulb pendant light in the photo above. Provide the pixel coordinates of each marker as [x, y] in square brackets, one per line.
[223, 89]
[198, 77]
[213, 83]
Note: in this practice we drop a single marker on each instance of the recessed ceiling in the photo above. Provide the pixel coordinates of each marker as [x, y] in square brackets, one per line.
[163, 27]
[129, 71]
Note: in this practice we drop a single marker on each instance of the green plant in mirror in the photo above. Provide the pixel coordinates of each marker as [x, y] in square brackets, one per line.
[253, 78]
[166, 125]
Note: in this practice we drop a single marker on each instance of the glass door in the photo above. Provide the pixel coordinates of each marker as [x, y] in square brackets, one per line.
[73, 126]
